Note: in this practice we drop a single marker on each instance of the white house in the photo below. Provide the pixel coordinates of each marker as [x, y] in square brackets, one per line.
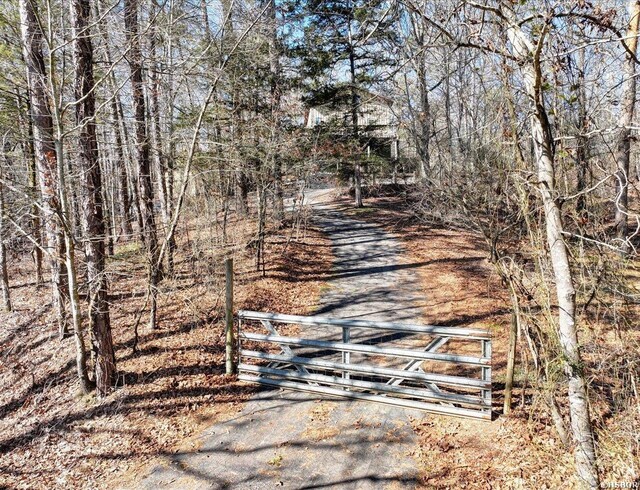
[376, 119]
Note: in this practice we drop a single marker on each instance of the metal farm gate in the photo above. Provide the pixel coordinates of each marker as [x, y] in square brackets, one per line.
[383, 362]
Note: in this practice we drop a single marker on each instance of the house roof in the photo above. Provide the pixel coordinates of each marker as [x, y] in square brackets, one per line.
[339, 97]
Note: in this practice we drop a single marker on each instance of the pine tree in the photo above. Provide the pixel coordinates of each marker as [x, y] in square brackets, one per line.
[346, 38]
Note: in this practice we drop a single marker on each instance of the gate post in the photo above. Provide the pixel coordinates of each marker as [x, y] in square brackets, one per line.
[229, 334]
[346, 356]
[486, 373]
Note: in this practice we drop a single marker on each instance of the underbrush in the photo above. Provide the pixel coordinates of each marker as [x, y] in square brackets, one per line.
[473, 454]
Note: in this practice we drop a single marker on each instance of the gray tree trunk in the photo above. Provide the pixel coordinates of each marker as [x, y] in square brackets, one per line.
[623, 144]
[357, 168]
[423, 126]
[160, 160]
[585, 455]
[120, 162]
[26, 130]
[4, 275]
[275, 89]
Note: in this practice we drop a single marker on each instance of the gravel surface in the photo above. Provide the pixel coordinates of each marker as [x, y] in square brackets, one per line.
[294, 440]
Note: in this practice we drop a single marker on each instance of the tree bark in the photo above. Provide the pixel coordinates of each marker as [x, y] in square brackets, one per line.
[357, 173]
[4, 275]
[424, 118]
[45, 155]
[145, 185]
[529, 57]
[28, 152]
[92, 215]
[161, 168]
[275, 89]
[623, 144]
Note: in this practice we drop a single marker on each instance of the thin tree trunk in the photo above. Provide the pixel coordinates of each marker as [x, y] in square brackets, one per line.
[424, 118]
[70, 262]
[274, 69]
[623, 146]
[92, 203]
[4, 275]
[135, 197]
[57, 162]
[145, 185]
[511, 354]
[582, 150]
[262, 205]
[158, 148]
[121, 160]
[29, 156]
[585, 455]
[243, 193]
[357, 174]
[169, 115]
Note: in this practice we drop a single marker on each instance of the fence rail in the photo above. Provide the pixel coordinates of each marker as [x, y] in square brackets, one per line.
[326, 366]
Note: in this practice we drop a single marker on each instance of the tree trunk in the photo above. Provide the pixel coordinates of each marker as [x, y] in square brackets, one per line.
[123, 178]
[161, 168]
[511, 354]
[45, 155]
[145, 185]
[623, 144]
[357, 169]
[242, 199]
[4, 276]
[70, 263]
[585, 455]
[121, 160]
[582, 150]
[92, 215]
[29, 156]
[261, 232]
[274, 75]
[424, 118]
[133, 175]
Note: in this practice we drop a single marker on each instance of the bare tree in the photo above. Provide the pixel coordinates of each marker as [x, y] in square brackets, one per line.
[45, 155]
[4, 276]
[27, 144]
[528, 54]
[145, 184]
[49, 154]
[92, 213]
[623, 144]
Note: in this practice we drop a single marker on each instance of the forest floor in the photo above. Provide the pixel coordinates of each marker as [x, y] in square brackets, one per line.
[174, 386]
[170, 388]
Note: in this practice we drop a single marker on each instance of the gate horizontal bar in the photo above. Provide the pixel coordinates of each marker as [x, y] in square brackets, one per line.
[369, 369]
[399, 402]
[369, 349]
[367, 385]
[463, 333]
